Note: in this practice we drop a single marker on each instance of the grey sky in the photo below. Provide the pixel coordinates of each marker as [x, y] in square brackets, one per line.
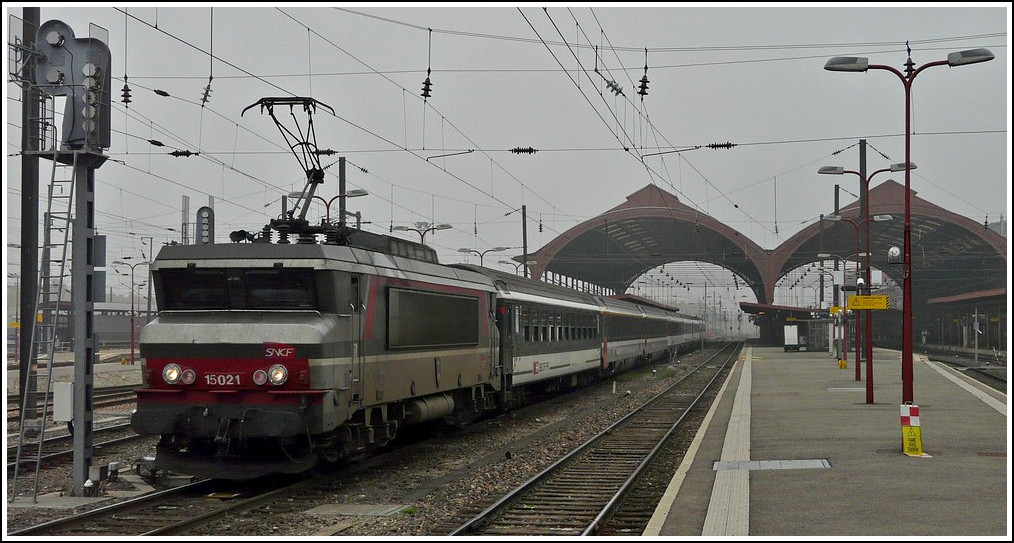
[748, 74]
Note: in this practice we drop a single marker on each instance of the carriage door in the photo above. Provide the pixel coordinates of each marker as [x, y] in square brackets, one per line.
[506, 319]
[358, 357]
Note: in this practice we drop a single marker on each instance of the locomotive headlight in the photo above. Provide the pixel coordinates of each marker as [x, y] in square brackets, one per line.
[277, 374]
[189, 376]
[260, 377]
[171, 373]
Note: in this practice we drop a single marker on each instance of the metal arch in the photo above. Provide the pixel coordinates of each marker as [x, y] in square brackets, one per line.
[574, 252]
[933, 226]
[624, 245]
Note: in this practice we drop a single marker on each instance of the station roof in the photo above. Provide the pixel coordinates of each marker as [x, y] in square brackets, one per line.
[650, 229]
[951, 254]
[980, 295]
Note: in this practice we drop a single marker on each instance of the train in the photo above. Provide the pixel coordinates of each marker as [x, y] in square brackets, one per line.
[304, 345]
[270, 357]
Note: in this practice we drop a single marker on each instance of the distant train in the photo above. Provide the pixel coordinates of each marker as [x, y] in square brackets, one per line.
[269, 357]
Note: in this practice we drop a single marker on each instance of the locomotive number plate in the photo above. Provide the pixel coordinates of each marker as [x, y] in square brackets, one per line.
[222, 379]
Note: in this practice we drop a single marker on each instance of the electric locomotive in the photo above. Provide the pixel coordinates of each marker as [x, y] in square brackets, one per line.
[307, 343]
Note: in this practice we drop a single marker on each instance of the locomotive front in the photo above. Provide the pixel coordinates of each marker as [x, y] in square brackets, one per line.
[233, 378]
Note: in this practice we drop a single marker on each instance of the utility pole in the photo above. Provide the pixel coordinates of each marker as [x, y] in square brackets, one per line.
[151, 257]
[524, 236]
[975, 334]
[30, 142]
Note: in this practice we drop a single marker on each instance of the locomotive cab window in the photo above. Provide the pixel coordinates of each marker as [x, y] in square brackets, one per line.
[195, 289]
[280, 289]
[235, 288]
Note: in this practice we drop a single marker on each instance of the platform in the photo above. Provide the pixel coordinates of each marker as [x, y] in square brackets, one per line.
[791, 448]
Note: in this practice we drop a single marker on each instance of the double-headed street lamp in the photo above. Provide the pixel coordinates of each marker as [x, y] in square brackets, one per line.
[327, 203]
[482, 253]
[517, 265]
[132, 326]
[869, 313]
[862, 64]
[845, 305]
[865, 190]
[422, 228]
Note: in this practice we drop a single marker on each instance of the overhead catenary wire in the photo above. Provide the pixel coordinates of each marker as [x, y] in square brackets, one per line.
[493, 151]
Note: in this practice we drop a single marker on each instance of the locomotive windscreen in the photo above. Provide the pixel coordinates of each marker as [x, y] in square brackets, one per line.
[430, 319]
[239, 288]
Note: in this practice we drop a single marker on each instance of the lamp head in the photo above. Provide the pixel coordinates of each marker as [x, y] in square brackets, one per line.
[831, 170]
[970, 56]
[847, 64]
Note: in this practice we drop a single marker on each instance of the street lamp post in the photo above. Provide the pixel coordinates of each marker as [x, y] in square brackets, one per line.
[865, 181]
[483, 253]
[865, 188]
[869, 314]
[862, 64]
[517, 265]
[845, 304]
[422, 228]
[327, 203]
[132, 326]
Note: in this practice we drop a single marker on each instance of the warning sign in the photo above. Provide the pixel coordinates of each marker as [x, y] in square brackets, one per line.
[911, 433]
[913, 440]
[869, 302]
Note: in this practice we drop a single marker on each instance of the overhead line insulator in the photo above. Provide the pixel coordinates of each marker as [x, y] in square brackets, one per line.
[206, 96]
[524, 150]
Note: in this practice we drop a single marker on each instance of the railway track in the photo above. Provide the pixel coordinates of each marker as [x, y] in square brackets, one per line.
[166, 512]
[989, 369]
[583, 492]
[334, 488]
[58, 448]
[101, 397]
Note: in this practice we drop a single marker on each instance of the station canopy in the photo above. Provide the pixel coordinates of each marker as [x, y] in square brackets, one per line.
[951, 254]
